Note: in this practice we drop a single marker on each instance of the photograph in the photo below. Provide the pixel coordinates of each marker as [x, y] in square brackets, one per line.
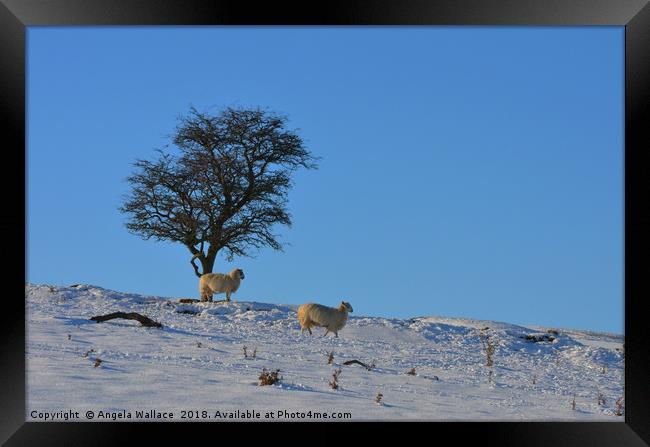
[325, 223]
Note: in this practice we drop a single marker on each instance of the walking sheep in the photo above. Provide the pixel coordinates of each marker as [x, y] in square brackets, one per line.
[211, 283]
[332, 319]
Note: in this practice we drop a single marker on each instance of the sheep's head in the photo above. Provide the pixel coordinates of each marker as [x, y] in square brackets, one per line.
[346, 305]
[236, 274]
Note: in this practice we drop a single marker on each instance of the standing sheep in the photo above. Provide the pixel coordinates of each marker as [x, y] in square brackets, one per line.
[332, 319]
[211, 283]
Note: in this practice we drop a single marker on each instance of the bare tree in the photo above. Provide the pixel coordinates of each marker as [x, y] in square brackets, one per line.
[225, 187]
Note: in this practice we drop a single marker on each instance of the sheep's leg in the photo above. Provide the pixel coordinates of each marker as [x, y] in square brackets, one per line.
[206, 294]
[336, 334]
[227, 296]
[327, 331]
[309, 329]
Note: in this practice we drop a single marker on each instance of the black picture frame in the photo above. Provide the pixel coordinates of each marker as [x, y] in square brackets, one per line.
[634, 15]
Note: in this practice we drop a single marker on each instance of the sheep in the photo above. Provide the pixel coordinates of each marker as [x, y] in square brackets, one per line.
[211, 283]
[332, 319]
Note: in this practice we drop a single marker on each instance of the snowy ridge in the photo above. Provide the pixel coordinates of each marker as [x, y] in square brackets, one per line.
[196, 362]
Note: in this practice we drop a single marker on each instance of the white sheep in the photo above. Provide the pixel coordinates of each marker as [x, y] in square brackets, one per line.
[332, 319]
[211, 283]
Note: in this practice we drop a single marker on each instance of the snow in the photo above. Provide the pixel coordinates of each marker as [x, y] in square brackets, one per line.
[196, 364]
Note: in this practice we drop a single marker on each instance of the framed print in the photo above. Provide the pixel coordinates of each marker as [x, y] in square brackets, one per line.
[391, 215]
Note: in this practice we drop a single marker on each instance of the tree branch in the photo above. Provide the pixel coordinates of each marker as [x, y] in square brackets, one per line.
[145, 321]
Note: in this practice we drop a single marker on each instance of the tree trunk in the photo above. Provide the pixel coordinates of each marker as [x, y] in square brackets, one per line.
[207, 262]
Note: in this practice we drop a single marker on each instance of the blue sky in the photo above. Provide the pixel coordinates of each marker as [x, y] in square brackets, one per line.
[466, 171]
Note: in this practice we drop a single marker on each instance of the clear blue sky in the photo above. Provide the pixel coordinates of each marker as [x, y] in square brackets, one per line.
[466, 171]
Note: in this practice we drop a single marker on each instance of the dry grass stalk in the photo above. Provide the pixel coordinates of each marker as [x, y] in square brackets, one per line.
[334, 384]
[619, 406]
[488, 347]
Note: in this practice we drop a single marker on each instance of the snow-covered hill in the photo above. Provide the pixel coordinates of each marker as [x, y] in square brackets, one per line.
[196, 364]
